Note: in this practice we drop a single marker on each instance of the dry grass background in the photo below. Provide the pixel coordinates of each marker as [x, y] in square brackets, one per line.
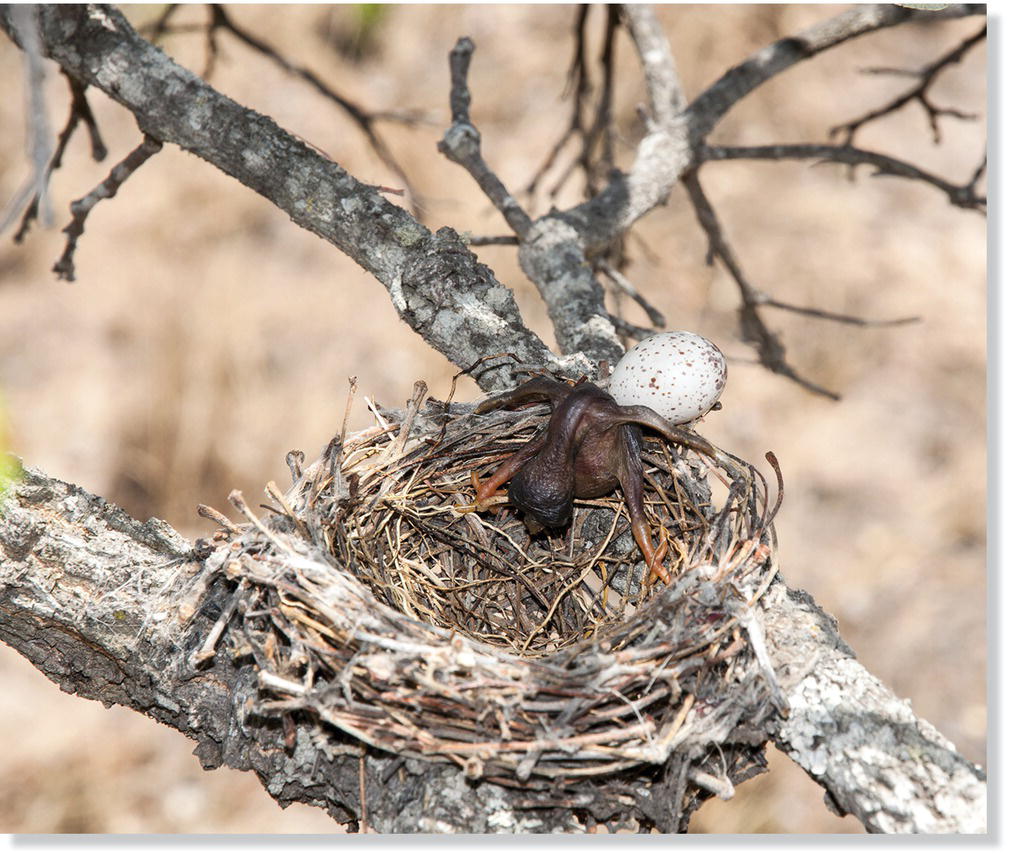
[207, 336]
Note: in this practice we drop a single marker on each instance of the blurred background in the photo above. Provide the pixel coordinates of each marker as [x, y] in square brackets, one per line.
[206, 336]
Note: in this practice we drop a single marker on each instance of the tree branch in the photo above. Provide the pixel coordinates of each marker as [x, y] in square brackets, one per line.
[550, 253]
[738, 82]
[104, 606]
[80, 111]
[437, 285]
[919, 92]
[853, 736]
[962, 196]
[665, 154]
[105, 190]
[221, 19]
[769, 347]
[109, 608]
[462, 143]
[664, 89]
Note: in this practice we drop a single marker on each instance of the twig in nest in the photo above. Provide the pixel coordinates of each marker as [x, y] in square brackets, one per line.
[918, 93]
[80, 209]
[205, 511]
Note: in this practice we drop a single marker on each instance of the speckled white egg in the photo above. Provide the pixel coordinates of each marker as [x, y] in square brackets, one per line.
[677, 373]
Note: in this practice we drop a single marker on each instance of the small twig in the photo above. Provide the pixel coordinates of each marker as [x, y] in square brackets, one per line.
[843, 318]
[79, 110]
[719, 786]
[769, 347]
[80, 209]
[577, 81]
[207, 651]
[363, 819]
[963, 196]
[462, 143]
[205, 511]
[486, 240]
[919, 93]
[624, 284]
[628, 329]
[160, 26]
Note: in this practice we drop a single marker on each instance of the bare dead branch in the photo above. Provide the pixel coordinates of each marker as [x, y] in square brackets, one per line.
[595, 135]
[437, 286]
[80, 111]
[159, 28]
[665, 154]
[768, 345]
[105, 190]
[574, 299]
[462, 142]
[627, 288]
[24, 28]
[918, 93]
[739, 81]
[843, 318]
[962, 196]
[578, 84]
[628, 329]
[664, 88]
[486, 240]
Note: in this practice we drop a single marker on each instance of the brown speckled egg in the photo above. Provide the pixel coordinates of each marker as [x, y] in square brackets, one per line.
[677, 373]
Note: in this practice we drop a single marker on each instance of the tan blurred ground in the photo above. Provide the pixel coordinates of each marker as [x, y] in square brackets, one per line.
[207, 336]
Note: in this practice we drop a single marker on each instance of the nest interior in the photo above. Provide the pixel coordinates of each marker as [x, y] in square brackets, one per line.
[376, 599]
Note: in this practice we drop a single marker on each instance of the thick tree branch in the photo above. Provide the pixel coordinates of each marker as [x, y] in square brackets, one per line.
[665, 154]
[664, 89]
[853, 736]
[222, 20]
[437, 285]
[104, 606]
[108, 608]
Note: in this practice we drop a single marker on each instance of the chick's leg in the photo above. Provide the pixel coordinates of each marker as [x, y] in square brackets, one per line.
[485, 493]
[631, 480]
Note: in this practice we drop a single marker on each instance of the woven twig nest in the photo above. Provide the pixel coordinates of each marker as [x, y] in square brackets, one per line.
[373, 599]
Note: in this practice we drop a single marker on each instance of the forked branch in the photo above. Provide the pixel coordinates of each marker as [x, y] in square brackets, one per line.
[105, 190]
[919, 93]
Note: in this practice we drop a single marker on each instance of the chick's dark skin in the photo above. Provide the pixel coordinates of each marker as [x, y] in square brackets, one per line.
[590, 446]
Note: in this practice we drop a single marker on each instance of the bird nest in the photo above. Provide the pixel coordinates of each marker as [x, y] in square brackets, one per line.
[373, 598]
